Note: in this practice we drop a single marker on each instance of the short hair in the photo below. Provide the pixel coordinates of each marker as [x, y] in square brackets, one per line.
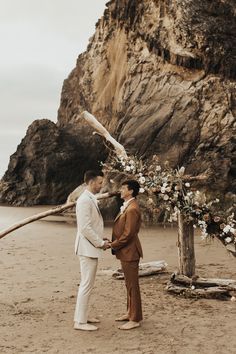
[132, 184]
[92, 174]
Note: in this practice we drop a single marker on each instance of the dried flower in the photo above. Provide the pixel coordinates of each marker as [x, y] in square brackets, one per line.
[216, 219]
[206, 217]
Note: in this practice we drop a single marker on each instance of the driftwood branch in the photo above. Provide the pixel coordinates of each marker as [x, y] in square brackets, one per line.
[208, 293]
[145, 269]
[52, 211]
[196, 281]
[201, 177]
[197, 287]
[93, 122]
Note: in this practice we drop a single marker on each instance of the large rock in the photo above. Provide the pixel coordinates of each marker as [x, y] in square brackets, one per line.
[47, 165]
[160, 75]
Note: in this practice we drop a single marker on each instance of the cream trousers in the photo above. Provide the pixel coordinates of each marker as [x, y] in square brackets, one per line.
[88, 269]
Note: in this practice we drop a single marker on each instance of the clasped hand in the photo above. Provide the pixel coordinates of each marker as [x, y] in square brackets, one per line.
[107, 244]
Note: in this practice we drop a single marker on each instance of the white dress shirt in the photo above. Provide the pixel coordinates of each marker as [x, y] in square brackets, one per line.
[125, 205]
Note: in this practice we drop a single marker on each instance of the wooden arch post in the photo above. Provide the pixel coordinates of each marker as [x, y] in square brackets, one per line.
[185, 245]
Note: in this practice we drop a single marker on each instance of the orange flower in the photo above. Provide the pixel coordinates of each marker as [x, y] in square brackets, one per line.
[206, 217]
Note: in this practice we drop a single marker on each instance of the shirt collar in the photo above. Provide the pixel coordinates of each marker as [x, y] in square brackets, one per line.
[126, 203]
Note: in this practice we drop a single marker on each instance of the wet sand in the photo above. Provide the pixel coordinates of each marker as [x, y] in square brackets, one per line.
[39, 274]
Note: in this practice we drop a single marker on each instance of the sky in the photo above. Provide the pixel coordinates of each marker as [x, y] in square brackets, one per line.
[40, 42]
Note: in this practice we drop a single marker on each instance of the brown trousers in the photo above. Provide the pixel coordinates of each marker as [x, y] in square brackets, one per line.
[134, 305]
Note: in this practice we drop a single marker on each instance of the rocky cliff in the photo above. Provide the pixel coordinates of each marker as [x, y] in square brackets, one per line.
[47, 165]
[160, 75]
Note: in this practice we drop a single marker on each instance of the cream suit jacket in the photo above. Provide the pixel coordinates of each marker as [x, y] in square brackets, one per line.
[90, 227]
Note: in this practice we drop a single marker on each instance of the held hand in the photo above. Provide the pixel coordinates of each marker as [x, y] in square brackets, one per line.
[106, 239]
[106, 245]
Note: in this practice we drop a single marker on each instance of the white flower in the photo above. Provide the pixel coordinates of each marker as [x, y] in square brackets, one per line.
[142, 180]
[132, 162]
[168, 189]
[158, 168]
[203, 234]
[165, 184]
[163, 189]
[166, 197]
[187, 184]
[228, 239]
[142, 190]
[132, 167]
[226, 229]
[192, 287]
[127, 168]
[174, 217]
[123, 163]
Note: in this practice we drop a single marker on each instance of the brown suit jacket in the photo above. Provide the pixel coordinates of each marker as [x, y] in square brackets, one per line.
[125, 241]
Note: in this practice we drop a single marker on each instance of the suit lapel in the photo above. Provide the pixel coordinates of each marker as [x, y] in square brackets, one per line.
[119, 214]
[96, 206]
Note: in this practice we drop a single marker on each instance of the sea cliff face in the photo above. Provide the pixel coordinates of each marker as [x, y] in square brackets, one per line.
[47, 165]
[160, 76]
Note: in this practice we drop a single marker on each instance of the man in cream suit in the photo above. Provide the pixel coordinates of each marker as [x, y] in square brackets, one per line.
[89, 245]
[127, 248]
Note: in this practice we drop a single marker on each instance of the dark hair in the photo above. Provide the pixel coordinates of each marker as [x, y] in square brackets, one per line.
[132, 184]
[92, 174]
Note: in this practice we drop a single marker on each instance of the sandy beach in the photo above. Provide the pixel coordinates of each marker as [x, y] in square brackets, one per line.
[39, 277]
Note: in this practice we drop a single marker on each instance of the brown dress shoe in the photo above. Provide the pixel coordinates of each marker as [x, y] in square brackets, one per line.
[130, 325]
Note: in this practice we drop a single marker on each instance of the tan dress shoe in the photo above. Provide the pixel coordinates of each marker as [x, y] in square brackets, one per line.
[93, 320]
[123, 318]
[130, 325]
[84, 326]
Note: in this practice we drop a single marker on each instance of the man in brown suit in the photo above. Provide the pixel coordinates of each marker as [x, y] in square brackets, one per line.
[126, 246]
